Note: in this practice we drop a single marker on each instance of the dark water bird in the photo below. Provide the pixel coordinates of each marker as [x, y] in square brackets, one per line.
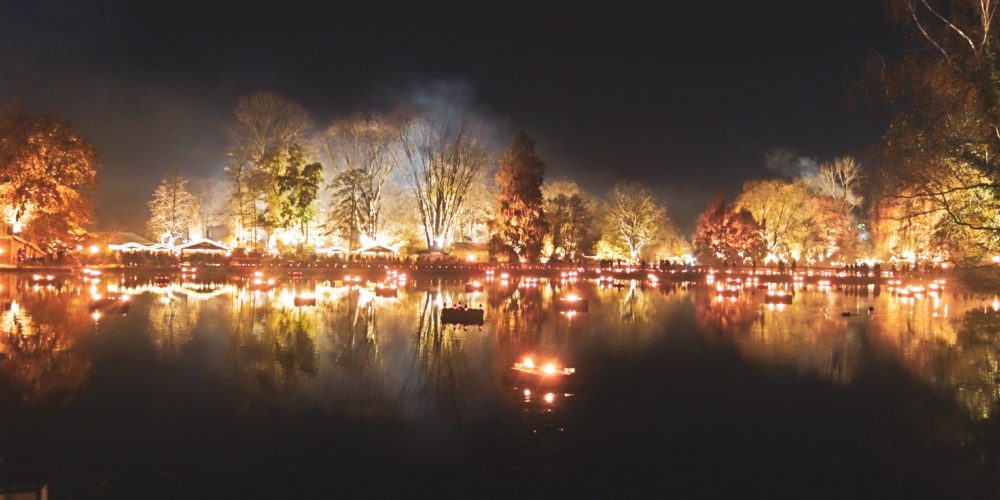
[845, 314]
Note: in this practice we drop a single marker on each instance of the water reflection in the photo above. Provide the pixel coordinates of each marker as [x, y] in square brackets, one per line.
[354, 351]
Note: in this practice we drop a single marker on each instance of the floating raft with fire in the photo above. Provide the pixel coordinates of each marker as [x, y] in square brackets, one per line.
[462, 316]
[528, 373]
[572, 303]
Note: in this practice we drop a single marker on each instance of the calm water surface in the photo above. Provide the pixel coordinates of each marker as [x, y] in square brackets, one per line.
[209, 388]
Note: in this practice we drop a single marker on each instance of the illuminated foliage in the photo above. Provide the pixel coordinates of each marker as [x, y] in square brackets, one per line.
[782, 211]
[347, 208]
[46, 169]
[298, 188]
[265, 126]
[725, 234]
[173, 209]
[942, 142]
[366, 146]
[520, 223]
[634, 218]
[569, 219]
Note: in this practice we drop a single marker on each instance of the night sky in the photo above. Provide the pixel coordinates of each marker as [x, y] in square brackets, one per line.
[688, 99]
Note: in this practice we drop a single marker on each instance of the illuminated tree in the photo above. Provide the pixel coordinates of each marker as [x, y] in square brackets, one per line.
[634, 218]
[944, 137]
[520, 222]
[46, 169]
[782, 211]
[265, 125]
[347, 209]
[725, 234]
[442, 155]
[840, 180]
[174, 211]
[298, 185]
[366, 146]
[472, 222]
[569, 219]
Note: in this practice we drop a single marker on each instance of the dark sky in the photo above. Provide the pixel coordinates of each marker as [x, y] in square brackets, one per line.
[686, 98]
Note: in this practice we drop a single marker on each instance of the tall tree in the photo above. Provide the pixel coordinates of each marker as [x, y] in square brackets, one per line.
[347, 209]
[634, 217]
[442, 155]
[520, 223]
[367, 146]
[298, 184]
[943, 139]
[726, 234]
[174, 211]
[569, 221]
[46, 170]
[265, 125]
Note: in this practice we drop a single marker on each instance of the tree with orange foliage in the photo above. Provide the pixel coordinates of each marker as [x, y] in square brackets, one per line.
[726, 234]
[46, 169]
[520, 223]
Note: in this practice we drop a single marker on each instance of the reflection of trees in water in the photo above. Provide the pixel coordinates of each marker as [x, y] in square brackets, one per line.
[354, 348]
[171, 324]
[964, 362]
[720, 317]
[782, 335]
[829, 347]
[634, 307]
[274, 344]
[440, 374]
[38, 342]
[519, 314]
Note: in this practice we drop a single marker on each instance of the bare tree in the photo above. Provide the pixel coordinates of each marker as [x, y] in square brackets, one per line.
[174, 211]
[441, 157]
[366, 147]
[948, 33]
[839, 179]
[266, 123]
[635, 216]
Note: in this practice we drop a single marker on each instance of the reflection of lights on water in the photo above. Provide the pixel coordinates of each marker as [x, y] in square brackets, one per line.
[549, 397]
[96, 315]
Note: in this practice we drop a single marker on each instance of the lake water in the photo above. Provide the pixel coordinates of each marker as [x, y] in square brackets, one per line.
[210, 389]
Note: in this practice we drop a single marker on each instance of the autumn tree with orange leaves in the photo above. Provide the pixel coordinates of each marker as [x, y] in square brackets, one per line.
[46, 171]
[520, 223]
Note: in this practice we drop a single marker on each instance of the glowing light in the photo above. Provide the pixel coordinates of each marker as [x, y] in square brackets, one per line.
[549, 369]
[528, 363]
[93, 249]
[96, 315]
[549, 397]
[527, 393]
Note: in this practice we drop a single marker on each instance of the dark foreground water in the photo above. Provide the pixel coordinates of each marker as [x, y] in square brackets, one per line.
[216, 389]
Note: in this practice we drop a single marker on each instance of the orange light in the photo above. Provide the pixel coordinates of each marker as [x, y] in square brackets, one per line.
[549, 397]
[528, 363]
[549, 369]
